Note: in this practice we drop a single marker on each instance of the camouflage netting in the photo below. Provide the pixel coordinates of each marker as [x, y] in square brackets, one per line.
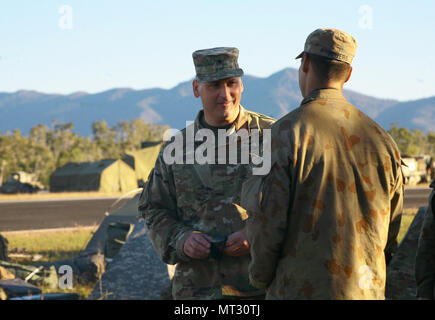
[401, 283]
[136, 272]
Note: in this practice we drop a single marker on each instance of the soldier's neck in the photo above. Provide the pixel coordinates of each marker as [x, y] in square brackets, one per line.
[220, 125]
[209, 126]
[314, 84]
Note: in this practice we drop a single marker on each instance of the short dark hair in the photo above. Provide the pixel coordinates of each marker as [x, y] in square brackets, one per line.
[329, 69]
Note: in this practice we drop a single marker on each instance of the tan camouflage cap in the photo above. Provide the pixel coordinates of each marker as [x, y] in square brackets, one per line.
[216, 64]
[331, 43]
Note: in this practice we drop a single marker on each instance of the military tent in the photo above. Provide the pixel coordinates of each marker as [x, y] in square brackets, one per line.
[105, 176]
[128, 213]
[142, 161]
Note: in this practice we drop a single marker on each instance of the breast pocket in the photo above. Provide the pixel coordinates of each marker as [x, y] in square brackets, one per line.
[191, 192]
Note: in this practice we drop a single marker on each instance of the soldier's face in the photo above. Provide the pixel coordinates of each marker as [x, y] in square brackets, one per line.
[220, 99]
[303, 75]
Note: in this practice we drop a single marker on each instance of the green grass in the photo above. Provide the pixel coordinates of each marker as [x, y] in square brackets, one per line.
[406, 222]
[59, 195]
[408, 215]
[52, 246]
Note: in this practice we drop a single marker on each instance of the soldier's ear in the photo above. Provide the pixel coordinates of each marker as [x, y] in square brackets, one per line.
[195, 87]
[305, 63]
[348, 76]
[241, 85]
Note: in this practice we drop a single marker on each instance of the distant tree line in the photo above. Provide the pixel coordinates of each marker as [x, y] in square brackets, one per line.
[45, 149]
[413, 143]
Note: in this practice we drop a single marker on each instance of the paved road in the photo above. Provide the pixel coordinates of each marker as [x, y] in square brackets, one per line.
[43, 214]
[416, 197]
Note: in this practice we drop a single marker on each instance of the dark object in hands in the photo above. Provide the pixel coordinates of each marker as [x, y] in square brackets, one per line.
[217, 247]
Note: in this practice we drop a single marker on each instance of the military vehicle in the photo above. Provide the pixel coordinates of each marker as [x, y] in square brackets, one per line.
[418, 169]
[431, 166]
[21, 182]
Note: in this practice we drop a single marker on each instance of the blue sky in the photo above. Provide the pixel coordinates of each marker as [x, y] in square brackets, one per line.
[145, 44]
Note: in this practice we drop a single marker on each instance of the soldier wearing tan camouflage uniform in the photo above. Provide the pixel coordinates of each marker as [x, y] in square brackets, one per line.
[325, 218]
[187, 206]
[425, 259]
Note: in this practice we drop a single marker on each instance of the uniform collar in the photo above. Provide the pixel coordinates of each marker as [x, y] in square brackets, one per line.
[326, 93]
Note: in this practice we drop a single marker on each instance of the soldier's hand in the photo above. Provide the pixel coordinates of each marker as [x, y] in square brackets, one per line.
[237, 244]
[197, 245]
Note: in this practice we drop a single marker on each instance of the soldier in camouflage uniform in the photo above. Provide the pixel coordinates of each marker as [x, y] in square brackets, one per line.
[425, 259]
[327, 215]
[187, 206]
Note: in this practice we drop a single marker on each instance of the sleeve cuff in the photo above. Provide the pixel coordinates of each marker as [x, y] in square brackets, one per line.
[180, 246]
[256, 283]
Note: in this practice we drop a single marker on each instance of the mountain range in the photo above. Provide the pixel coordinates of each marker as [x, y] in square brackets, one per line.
[274, 96]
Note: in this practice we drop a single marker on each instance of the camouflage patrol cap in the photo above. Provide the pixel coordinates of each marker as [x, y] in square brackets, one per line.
[216, 64]
[331, 43]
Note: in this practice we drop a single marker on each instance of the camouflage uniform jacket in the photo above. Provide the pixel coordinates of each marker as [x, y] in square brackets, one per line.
[322, 219]
[181, 198]
[425, 259]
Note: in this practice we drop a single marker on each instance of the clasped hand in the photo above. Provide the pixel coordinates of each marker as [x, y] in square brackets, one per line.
[197, 245]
